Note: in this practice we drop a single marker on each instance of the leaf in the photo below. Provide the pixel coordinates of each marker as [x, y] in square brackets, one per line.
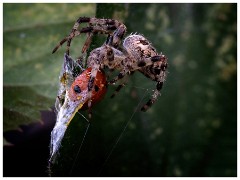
[22, 105]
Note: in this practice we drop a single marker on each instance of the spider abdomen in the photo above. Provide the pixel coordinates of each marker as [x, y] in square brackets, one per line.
[139, 47]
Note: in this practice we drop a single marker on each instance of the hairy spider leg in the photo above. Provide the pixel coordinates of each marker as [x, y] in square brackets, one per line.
[87, 43]
[117, 90]
[108, 23]
[154, 97]
[115, 39]
[120, 86]
[146, 62]
[159, 69]
[106, 26]
[90, 30]
[68, 39]
[74, 29]
[90, 88]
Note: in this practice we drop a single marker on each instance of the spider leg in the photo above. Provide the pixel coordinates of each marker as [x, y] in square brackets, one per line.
[112, 40]
[90, 88]
[90, 30]
[75, 33]
[154, 97]
[68, 39]
[109, 24]
[121, 75]
[158, 73]
[74, 29]
[117, 90]
[141, 64]
[120, 86]
[87, 42]
[105, 26]
[150, 61]
[115, 39]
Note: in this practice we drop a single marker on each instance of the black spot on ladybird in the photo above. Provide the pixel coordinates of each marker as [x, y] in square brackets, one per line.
[77, 89]
[96, 88]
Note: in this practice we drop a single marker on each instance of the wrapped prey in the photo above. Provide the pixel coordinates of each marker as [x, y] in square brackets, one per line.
[73, 95]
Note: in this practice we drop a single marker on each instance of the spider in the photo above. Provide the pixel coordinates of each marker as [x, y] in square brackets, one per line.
[135, 54]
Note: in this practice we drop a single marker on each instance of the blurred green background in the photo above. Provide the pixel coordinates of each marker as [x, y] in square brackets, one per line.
[190, 131]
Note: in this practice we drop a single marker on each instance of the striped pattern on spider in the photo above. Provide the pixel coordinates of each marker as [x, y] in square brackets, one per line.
[136, 53]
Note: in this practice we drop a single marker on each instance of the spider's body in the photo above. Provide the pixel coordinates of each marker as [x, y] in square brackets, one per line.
[135, 54]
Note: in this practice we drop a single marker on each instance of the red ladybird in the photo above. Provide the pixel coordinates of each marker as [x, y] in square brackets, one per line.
[80, 85]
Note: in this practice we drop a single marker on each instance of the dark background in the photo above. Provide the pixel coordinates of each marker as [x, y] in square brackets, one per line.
[190, 131]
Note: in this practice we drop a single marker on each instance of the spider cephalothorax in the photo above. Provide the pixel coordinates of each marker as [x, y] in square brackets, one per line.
[135, 54]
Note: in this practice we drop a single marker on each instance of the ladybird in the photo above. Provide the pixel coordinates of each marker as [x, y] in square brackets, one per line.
[80, 85]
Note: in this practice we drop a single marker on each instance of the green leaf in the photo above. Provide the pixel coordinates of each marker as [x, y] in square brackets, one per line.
[22, 105]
